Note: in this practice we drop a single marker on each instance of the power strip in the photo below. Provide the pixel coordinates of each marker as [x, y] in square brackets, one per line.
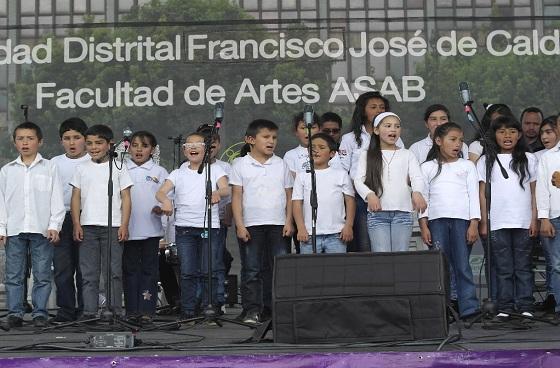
[110, 340]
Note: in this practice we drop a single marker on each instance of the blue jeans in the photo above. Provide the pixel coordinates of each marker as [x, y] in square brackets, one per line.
[257, 262]
[67, 275]
[450, 235]
[192, 249]
[140, 276]
[511, 249]
[328, 243]
[220, 266]
[389, 231]
[361, 242]
[41, 250]
[552, 246]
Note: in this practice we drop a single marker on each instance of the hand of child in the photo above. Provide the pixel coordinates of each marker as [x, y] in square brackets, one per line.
[78, 233]
[52, 236]
[157, 210]
[547, 229]
[373, 203]
[426, 235]
[347, 234]
[215, 197]
[167, 208]
[534, 228]
[243, 234]
[302, 235]
[418, 202]
[288, 230]
[122, 234]
[472, 232]
[483, 229]
[556, 179]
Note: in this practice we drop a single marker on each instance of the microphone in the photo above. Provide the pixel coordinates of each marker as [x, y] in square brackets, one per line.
[465, 93]
[127, 133]
[218, 114]
[308, 115]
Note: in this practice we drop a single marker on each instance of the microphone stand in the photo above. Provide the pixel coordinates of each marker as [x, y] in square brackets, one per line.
[313, 195]
[176, 150]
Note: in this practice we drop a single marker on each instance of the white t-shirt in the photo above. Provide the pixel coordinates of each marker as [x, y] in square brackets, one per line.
[147, 179]
[297, 159]
[402, 166]
[66, 168]
[224, 201]
[332, 185]
[548, 196]
[476, 148]
[190, 196]
[350, 152]
[264, 189]
[453, 193]
[92, 178]
[510, 204]
[423, 147]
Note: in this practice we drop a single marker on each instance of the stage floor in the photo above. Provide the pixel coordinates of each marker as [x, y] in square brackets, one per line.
[205, 339]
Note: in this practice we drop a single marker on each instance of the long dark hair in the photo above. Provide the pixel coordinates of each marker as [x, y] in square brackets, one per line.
[359, 117]
[499, 108]
[374, 168]
[435, 152]
[519, 162]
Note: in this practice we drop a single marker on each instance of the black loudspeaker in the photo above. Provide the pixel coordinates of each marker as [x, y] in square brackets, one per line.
[358, 297]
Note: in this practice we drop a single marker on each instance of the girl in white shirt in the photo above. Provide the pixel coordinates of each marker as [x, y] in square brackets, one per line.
[513, 212]
[140, 253]
[451, 221]
[382, 180]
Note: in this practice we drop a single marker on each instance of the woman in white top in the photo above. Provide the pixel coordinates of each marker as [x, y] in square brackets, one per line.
[382, 179]
[451, 221]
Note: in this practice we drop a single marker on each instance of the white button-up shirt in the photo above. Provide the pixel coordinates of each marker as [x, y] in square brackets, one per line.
[31, 198]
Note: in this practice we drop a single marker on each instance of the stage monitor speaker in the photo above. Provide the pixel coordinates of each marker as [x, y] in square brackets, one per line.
[359, 297]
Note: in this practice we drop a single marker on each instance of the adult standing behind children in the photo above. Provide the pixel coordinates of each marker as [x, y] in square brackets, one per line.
[262, 210]
[66, 260]
[31, 216]
[90, 206]
[140, 255]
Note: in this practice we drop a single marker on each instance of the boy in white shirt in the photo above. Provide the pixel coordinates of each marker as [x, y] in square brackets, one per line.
[297, 158]
[31, 215]
[89, 207]
[66, 261]
[191, 223]
[335, 198]
[262, 210]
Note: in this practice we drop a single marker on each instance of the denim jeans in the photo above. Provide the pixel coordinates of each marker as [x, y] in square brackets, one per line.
[41, 250]
[490, 272]
[361, 242]
[327, 243]
[192, 248]
[552, 246]
[450, 235]
[220, 266]
[257, 262]
[140, 276]
[511, 249]
[93, 261]
[67, 275]
[389, 231]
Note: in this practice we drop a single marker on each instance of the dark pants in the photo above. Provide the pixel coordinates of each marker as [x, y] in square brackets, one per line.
[361, 242]
[257, 264]
[140, 275]
[192, 248]
[511, 250]
[450, 235]
[67, 275]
